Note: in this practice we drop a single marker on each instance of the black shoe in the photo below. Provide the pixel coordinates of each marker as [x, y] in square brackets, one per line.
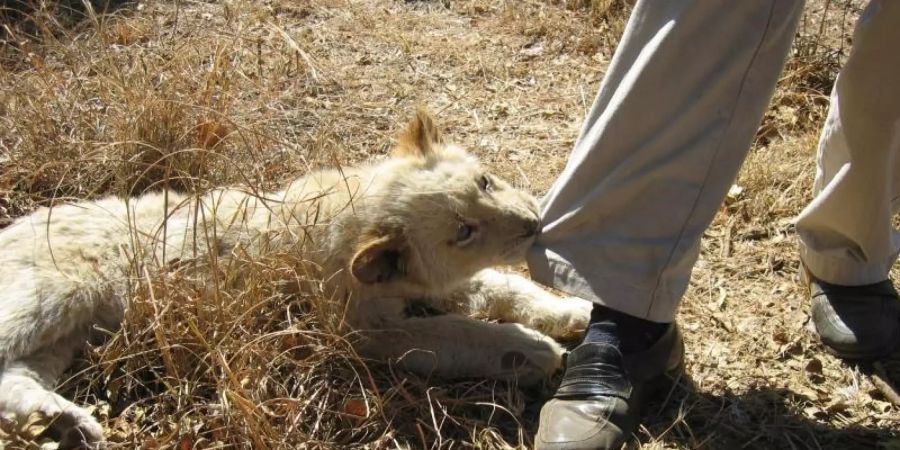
[855, 322]
[598, 404]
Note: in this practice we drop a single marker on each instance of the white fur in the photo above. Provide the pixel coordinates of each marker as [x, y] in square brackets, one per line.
[385, 236]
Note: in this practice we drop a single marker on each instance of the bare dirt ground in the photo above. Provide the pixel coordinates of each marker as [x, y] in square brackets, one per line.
[192, 94]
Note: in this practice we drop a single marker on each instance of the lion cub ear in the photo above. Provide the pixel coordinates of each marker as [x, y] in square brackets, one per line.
[420, 138]
[380, 260]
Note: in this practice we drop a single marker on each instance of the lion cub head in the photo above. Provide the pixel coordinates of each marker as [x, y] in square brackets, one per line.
[441, 216]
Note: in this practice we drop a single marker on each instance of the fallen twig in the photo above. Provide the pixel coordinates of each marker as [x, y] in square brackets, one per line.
[881, 381]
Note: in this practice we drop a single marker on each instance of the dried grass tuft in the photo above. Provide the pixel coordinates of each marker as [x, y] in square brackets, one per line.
[189, 95]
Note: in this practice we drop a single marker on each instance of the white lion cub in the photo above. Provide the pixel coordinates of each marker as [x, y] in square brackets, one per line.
[407, 242]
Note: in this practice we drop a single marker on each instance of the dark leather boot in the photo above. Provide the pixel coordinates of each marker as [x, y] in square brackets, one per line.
[598, 404]
[855, 322]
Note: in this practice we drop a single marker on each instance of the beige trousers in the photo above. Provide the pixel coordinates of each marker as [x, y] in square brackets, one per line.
[846, 232]
[665, 137]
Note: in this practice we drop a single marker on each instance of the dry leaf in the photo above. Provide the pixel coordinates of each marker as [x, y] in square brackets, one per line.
[210, 133]
[356, 407]
[185, 443]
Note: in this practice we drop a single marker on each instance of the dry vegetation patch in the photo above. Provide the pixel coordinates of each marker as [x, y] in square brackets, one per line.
[190, 94]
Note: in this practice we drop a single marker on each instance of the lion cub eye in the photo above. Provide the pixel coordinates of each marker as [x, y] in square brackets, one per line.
[485, 183]
[464, 234]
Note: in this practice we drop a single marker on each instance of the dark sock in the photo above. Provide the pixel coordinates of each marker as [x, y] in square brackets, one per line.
[629, 333]
[602, 333]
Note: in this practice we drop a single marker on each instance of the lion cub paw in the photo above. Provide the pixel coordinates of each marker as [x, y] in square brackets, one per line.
[533, 361]
[566, 318]
[575, 314]
[77, 429]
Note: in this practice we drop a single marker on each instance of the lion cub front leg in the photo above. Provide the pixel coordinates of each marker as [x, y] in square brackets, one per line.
[455, 346]
[510, 297]
[26, 388]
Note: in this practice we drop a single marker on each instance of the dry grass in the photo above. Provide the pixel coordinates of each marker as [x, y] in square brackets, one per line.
[192, 94]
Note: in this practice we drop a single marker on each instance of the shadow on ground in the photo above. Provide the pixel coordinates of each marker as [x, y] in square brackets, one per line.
[755, 419]
[27, 16]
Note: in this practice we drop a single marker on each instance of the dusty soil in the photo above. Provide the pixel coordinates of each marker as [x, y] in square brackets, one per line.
[191, 94]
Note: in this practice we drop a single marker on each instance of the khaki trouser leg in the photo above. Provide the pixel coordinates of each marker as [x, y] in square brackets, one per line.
[845, 232]
[674, 119]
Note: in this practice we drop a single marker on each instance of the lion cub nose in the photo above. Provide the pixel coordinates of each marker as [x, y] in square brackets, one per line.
[532, 226]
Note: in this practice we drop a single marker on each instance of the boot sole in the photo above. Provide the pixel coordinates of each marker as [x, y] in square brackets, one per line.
[878, 353]
[892, 344]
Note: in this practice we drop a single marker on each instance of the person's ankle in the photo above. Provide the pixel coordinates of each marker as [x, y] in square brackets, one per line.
[628, 333]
